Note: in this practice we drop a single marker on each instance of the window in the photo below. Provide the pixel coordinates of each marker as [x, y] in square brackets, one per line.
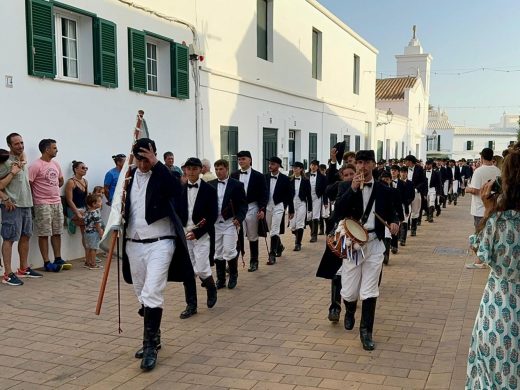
[157, 65]
[491, 145]
[469, 145]
[356, 74]
[346, 138]
[379, 150]
[68, 43]
[333, 140]
[264, 29]
[316, 54]
[358, 142]
[151, 66]
[229, 146]
[313, 146]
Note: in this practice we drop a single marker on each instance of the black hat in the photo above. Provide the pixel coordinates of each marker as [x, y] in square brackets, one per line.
[395, 166]
[193, 162]
[411, 158]
[298, 164]
[403, 169]
[276, 160]
[385, 173]
[487, 154]
[365, 155]
[430, 162]
[315, 162]
[244, 153]
[382, 161]
[142, 143]
[118, 156]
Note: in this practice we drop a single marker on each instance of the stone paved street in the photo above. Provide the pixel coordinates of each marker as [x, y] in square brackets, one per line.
[271, 332]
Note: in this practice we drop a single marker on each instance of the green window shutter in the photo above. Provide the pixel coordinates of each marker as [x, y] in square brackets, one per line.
[105, 53]
[41, 51]
[137, 60]
[180, 71]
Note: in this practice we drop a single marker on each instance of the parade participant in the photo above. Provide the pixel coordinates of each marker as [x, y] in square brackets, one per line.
[112, 176]
[465, 174]
[407, 195]
[336, 152]
[445, 180]
[46, 178]
[206, 173]
[16, 211]
[454, 174]
[487, 171]
[154, 249]
[400, 187]
[433, 185]
[302, 203]
[232, 210]
[197, 208]
[169, 161]
[386, 179]
[494, 349]
[281, 196]
[318, 186]
[360, 278]
[416, 176]
[256, 192]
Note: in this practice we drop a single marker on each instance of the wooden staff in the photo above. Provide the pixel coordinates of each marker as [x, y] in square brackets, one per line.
[115, 233]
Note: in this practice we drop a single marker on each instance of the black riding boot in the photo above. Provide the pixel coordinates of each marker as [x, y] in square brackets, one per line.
[280, 248]
[403, 232]
[350, 314]
[190, 293]
[368, 313]
[298, 234]
[211, 290]
[394, 244]
[253, 262]
[431, 210]
[419, 220]
[321, 226]
[455, 196]
[386, 257]
[335, 298]
[314, 230]
[152, 323]
[139, 353]
[273, 250]
[414, 227]
[438, 209]
[233, 272]
[221, 273]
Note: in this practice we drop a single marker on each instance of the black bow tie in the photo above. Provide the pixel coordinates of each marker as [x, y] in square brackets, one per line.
[313, 174]
[221, 182]
[297, 178]
[196, 185]
[428, 171]
[368, 184]
[243, 172]
[274, 177]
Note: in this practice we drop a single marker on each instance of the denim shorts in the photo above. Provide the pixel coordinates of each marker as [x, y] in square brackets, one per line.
[92, 240]
[16, 223]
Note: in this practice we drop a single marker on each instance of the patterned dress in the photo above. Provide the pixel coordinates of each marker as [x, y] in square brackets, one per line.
[493, 361]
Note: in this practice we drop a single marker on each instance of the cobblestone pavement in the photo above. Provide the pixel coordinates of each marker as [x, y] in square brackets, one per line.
[271, 332]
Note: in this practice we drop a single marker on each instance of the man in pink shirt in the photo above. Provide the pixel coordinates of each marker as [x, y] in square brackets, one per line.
[46, 178]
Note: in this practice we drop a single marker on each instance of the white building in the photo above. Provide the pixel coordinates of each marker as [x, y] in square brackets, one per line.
[407, 96]
[282, 78]
[457, 142]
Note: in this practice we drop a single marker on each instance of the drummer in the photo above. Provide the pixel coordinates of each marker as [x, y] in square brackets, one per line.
[372, 204]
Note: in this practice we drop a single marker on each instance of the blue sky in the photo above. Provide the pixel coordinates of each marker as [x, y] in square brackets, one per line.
[462, 36]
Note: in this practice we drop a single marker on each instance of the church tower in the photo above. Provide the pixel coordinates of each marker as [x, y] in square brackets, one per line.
[415, 63]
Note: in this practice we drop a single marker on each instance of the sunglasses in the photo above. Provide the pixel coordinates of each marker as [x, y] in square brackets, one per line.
[85, 168]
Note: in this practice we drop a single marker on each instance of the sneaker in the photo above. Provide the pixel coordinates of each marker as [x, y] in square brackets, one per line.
[64, 265]
[476, 266]
[52, 267]
[28, 273]
[12, 280]
[96, 267]
[98, 260]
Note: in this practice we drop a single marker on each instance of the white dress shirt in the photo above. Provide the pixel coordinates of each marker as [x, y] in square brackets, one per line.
[244, 178]
[370, 224]
[192, 197]
[221, 190]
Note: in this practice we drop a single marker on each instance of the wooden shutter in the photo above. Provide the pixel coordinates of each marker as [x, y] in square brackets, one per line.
[105, 53]
[41, 50]
[137, 60]
[180, 71]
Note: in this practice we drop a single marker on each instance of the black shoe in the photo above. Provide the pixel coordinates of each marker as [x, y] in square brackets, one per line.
[188, 312]
[366, 340]
[402, 243]
[139, 353]
[297, 247]
[334, 314]
[272, 259]
[280, 249]
[253, 265]
[211, 290]
[438, 209]
[413, 233]
[394, 250]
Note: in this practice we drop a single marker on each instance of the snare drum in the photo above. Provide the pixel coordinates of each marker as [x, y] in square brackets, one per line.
[348, 235]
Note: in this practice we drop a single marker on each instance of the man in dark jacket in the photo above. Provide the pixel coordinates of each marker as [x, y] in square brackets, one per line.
[154, 249]
[318, 183]
[302, 203]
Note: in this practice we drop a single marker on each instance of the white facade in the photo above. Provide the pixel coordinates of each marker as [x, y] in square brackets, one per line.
[457, 142]
[231, 87]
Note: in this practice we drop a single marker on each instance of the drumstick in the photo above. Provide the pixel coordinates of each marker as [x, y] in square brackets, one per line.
[382, 220]
[362, 180]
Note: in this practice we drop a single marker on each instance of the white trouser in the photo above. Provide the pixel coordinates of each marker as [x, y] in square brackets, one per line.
[406, 215]
[300, 214]
[462, 182]
[199, 255]
[325, 211]
[316, 207]
[274, 215]
[415, 207]
[250, 224]
[446, 187]
[361, 280]
[226, 237]
[454, 187]
[432, 195]
[149, 265]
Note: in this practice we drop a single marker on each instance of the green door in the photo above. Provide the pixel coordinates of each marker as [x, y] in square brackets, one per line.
[270, 146]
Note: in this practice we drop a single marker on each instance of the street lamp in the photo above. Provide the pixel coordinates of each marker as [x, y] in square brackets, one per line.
[389, 117]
